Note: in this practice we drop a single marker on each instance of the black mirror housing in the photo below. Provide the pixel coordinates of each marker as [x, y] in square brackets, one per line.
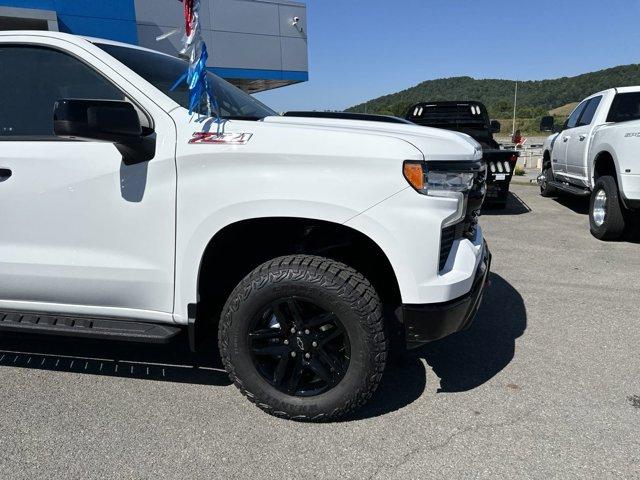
[111, 121]
[495, 126]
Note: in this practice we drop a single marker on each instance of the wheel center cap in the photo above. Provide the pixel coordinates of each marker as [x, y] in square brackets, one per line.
[300, 343]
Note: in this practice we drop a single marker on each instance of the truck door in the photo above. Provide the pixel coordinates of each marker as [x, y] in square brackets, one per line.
[82, 232]
[578, 144]
[559, 154]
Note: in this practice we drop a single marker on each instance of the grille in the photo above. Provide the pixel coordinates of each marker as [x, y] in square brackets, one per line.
[446, 243]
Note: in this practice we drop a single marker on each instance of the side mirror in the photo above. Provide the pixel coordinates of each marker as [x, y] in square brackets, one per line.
[547, 124]
[111, 121]
[495, 126]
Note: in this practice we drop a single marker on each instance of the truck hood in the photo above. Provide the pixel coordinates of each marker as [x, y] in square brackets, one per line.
[434, 143]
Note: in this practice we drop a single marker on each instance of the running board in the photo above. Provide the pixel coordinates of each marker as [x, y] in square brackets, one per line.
[582, 192]
[102, 328]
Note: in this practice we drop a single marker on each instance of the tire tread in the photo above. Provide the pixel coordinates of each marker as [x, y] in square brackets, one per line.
[348, 284]
[614, 225]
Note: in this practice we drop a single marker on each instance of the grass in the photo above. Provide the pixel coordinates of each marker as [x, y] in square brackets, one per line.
[563, 111]
[529, 127]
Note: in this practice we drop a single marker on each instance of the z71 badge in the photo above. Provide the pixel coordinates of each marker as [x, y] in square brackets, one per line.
[214, 138]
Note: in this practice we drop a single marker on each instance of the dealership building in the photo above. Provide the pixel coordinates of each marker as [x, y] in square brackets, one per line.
[255, 44]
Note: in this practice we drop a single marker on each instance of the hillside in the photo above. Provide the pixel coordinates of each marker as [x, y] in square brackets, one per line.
[564, 110]
[535, 98]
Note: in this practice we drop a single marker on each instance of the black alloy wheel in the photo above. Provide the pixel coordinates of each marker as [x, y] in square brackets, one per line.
[298, 347]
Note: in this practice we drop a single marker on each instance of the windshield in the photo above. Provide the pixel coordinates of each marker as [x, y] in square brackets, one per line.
[163, 71]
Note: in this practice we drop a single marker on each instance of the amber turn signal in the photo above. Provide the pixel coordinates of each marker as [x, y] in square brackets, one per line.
[414, 174]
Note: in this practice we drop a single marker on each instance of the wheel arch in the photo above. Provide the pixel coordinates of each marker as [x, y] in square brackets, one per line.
[236, 249]
[604, 163]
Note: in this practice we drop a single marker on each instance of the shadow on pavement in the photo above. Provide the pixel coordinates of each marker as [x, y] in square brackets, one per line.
[464, 360]
[576, 204]
[580, 205]
[173, 362]
[515, 206]
[468, 359]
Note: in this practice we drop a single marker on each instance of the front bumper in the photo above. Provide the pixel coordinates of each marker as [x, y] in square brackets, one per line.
[426, 323]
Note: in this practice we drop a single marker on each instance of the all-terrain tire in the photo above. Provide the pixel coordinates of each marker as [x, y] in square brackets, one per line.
[614, 223]
[335, 287]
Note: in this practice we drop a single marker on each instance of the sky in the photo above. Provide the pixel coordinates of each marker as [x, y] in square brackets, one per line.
[362, 49]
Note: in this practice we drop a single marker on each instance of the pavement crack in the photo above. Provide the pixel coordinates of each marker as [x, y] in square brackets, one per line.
[407, 457]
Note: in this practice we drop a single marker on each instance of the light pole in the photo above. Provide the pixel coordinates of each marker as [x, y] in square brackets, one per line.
[515, 105]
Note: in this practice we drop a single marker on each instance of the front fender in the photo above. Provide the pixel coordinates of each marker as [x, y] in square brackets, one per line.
[408, 228]
[191, 248]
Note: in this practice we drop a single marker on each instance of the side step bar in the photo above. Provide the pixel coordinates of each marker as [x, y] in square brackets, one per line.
[582, 192]
[102, 328]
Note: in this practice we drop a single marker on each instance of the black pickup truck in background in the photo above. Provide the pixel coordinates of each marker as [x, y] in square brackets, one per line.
[472, 118]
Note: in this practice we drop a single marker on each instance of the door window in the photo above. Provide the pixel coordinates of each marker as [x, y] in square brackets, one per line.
[589, 112]
[32, 79]
[572, 122]
[625, 107]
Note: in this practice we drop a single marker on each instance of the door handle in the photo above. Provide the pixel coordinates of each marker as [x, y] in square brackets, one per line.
[5, 173]
[582, 137]
[565, 139]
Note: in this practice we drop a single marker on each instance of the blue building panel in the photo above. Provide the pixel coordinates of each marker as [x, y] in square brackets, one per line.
[118, 30]
[113, 19]
[112, 9]
[120, 9]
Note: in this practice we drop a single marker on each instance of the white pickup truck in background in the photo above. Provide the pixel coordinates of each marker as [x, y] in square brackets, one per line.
[597, 153]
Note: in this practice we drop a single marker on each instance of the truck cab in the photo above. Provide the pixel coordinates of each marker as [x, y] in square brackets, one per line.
[595, 155]
[569, 157]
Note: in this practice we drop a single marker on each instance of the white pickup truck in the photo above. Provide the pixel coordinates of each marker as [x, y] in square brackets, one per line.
[597, 154]
[303, 244]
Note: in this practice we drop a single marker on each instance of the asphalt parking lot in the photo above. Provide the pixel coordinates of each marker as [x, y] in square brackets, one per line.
[545, 384]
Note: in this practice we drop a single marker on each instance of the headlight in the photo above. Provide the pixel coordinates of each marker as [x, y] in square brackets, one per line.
[453, 180]
[439, 182]
[438, 179]
[460, 181]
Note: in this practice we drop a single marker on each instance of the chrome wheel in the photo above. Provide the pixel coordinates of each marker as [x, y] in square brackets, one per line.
[600, 208]
[542, 180]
